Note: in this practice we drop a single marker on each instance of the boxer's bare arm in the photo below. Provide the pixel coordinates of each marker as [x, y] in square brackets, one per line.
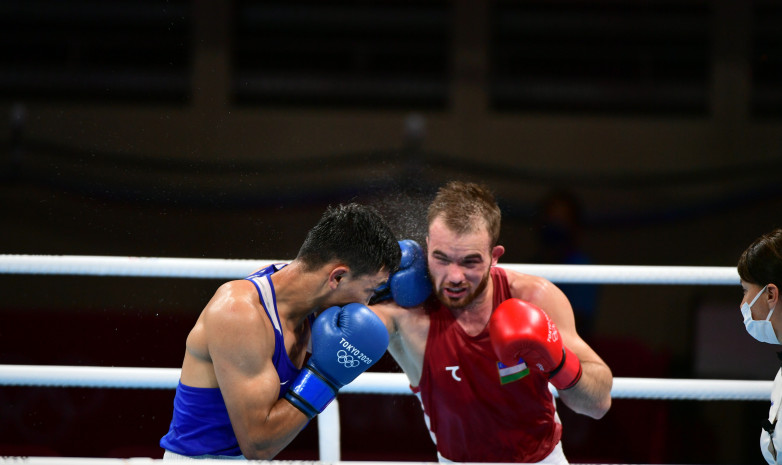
[407, 330]
[235, 337]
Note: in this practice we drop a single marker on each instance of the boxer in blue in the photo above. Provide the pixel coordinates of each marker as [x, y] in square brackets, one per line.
[245, 390]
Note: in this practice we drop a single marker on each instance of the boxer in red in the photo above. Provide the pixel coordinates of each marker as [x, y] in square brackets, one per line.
[480, 344]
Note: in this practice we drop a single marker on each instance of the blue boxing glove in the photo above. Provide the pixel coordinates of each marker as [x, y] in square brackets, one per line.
[410, 285]
[346, 341]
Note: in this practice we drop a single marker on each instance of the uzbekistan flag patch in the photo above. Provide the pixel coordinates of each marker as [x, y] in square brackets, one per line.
[509, 374]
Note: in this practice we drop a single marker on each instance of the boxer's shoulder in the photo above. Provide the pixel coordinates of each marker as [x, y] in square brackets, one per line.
[528, 287]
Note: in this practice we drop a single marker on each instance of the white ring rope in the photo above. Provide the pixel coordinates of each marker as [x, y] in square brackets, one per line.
[234, 269]
[371, 383]
[152, 267]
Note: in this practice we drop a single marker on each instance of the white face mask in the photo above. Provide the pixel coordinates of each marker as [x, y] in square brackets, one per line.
[759, 329]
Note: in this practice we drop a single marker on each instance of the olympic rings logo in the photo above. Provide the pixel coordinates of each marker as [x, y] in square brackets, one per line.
[346, 359]
[351, 356]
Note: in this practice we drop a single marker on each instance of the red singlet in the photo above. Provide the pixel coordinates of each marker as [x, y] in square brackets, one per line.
[471, 415]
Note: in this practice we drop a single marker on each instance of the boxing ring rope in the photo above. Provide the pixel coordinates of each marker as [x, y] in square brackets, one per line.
[234, 269]
[367, 383]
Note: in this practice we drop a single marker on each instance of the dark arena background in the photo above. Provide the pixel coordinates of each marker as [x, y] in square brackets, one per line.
[203, 129]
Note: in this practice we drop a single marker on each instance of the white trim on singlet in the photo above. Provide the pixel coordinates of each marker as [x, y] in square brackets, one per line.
[427, 422]
[267, 299]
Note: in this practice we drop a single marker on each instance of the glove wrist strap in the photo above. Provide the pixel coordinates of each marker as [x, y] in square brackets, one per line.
[567, 374]
[311, 393]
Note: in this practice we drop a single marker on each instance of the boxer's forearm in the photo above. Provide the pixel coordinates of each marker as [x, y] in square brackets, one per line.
[591, 396]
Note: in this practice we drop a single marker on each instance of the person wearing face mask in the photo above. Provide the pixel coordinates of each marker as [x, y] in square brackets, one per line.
[760, 270]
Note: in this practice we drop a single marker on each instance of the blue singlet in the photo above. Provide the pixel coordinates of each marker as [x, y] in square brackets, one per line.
[200, 423]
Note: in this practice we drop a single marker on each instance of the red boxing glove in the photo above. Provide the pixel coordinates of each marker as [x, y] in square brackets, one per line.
[519, 329]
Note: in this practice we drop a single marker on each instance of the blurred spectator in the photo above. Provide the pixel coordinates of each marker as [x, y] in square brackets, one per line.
[559, 223]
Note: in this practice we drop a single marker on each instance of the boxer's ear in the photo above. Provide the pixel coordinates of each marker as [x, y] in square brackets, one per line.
[337, 274]
[496, 252]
